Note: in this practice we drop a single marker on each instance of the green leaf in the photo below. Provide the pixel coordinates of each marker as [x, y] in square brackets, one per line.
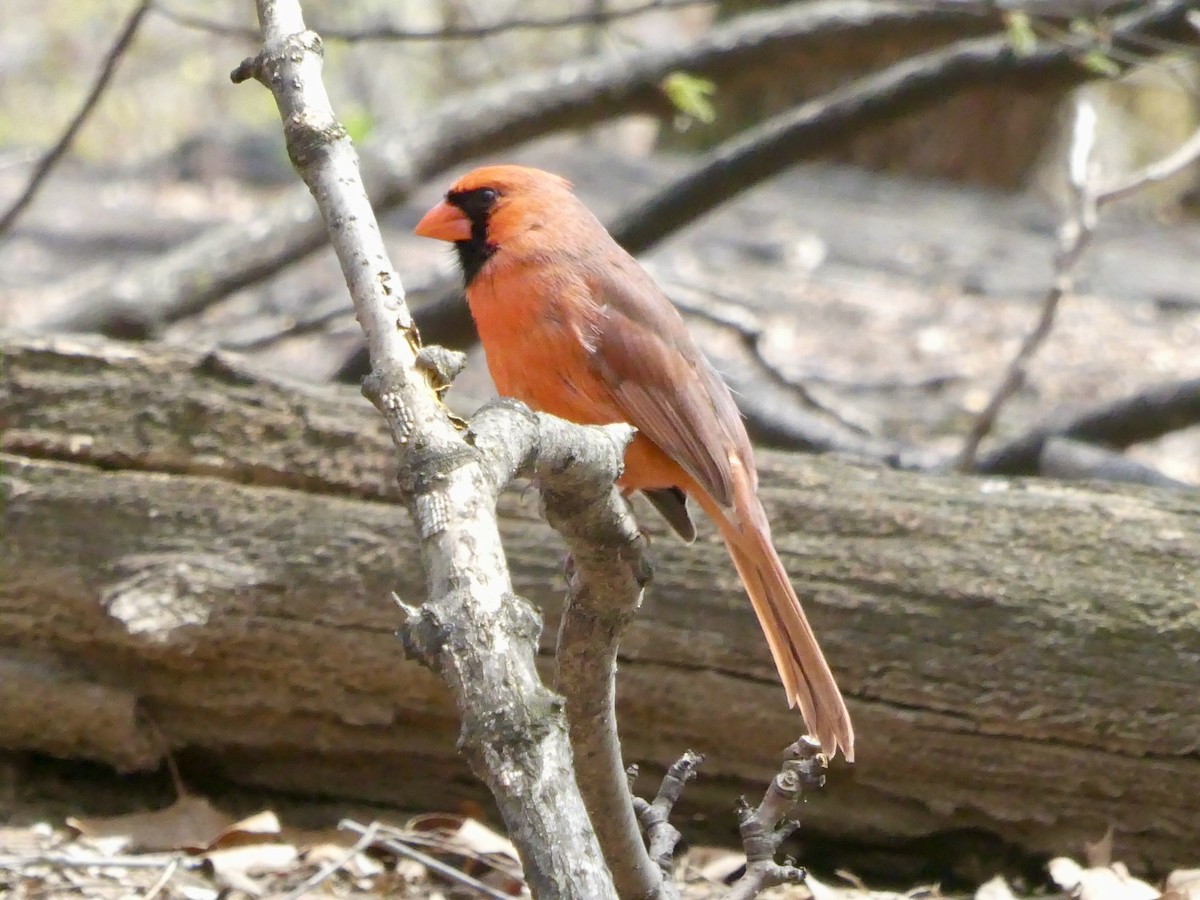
[1101, 64]
[691, 95]
[1021, 36]
[1083, 28]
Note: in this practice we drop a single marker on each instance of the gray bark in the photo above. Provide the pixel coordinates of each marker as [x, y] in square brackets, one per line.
[473, 630]
[189, 543]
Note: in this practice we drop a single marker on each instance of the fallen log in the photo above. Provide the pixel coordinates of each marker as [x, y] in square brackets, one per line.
[195, 550]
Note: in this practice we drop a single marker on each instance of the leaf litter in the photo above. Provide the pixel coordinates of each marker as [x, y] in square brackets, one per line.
[191, 850]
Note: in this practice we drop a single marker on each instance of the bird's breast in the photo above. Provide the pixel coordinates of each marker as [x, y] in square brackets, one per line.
[537, 326]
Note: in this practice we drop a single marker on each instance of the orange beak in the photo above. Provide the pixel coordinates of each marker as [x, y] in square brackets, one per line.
[445, 222]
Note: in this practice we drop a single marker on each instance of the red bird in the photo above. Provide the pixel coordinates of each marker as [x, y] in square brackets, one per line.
[572, 325]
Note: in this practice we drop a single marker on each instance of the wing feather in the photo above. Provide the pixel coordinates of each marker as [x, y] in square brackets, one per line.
[660, 379]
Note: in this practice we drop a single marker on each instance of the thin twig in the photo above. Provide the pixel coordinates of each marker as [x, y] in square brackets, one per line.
[1087, 198]
[161, 882]
[365, 840]
[737, 316]
[55, 153]
[437, 841]
[67, 861]
[662, 838]
[1131, 60]
[395, 845]
[765, 827]
[1167, 167]
[452, 33]
[1073, 235]
[1014, 377]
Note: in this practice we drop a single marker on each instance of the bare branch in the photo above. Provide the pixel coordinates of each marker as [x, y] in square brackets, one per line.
[604, 591]
[71, 860]
[365, 840]
[1173, 164]
[1015, 373]
[812, 127]
[389, 839]
[213, 265]
[1087, 199]
[473, 630]
[780, 412]
[163, 879]
[804, 132]
[386, 32]
[1074, 460]
[90, 101]
[764, 828]
[735, 315]
[1074, 234]
[662, 837]
[1144, 416]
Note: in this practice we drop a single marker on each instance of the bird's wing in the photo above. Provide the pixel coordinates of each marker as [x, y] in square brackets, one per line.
[661, 381]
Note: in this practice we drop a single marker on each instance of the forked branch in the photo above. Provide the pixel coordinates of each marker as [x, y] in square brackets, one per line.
[473, 630]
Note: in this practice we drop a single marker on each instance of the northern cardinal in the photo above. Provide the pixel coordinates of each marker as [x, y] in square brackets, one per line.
[572, 325]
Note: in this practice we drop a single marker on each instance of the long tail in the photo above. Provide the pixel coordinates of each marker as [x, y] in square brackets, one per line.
[802, 667]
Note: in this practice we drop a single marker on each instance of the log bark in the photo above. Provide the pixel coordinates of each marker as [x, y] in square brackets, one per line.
[192, 548]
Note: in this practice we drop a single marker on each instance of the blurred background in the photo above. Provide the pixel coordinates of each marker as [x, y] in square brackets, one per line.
[892, 277]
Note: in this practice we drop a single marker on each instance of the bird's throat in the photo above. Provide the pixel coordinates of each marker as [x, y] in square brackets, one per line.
[473, 254]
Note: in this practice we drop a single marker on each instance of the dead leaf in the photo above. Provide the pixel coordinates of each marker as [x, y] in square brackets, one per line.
[996, 889]
[306, 839]
[358, 866]
[252, 830]
[1185, 883]
[436, 822]
[190, 822]
[1112, 882]
[717, 864]
[485, 841]
[236, 867]
[819, 890]
[463, 842]
[454, 835]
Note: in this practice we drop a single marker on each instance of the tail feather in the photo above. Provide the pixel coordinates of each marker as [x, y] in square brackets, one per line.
[802, 667]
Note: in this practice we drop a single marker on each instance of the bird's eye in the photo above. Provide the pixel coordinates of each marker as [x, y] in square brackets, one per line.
[476, 203]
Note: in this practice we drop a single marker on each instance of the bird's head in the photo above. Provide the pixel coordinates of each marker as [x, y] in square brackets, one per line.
[493, 208]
